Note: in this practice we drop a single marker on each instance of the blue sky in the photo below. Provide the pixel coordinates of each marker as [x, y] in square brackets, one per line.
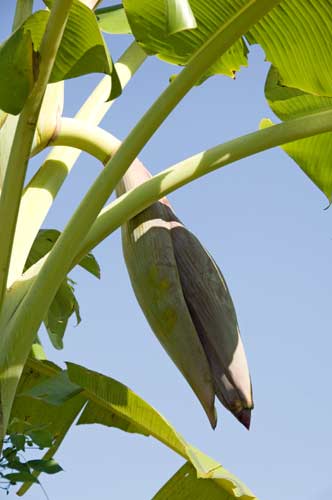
[264, 222]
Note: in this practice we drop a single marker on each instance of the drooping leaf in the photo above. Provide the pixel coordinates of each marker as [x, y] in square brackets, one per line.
[82, 51]
[180, 17]
[49, 466]
[55, 390]
[149, 22]
[113, 20]
[314, 154]
[110, 399]
[113, 404]
[185, 485]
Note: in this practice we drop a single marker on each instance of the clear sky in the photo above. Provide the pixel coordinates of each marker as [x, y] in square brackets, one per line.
[264, 222]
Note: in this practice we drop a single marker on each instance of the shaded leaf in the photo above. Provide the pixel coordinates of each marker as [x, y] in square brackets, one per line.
[55, 390]
[313, 154]
[48, 466]
[180, 16]
[113, 20]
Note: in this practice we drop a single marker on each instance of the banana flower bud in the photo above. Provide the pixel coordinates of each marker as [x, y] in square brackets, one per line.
[186, 301]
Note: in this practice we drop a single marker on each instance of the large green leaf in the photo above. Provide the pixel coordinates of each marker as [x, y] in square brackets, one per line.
[82, 51]
[185, 485]
[149, 22]
[313, 155]
[110, 400]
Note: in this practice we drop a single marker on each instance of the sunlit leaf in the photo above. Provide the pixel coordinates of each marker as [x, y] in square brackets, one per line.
[314, 154]
[113, 20]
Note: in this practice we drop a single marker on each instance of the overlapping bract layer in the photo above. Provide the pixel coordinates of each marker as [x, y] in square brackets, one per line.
[187, 303]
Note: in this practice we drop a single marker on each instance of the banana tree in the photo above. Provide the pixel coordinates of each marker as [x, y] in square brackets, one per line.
[179, 287]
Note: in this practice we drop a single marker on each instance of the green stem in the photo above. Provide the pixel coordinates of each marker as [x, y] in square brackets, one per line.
[41, 191]
[22, 12]
[22, 329]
